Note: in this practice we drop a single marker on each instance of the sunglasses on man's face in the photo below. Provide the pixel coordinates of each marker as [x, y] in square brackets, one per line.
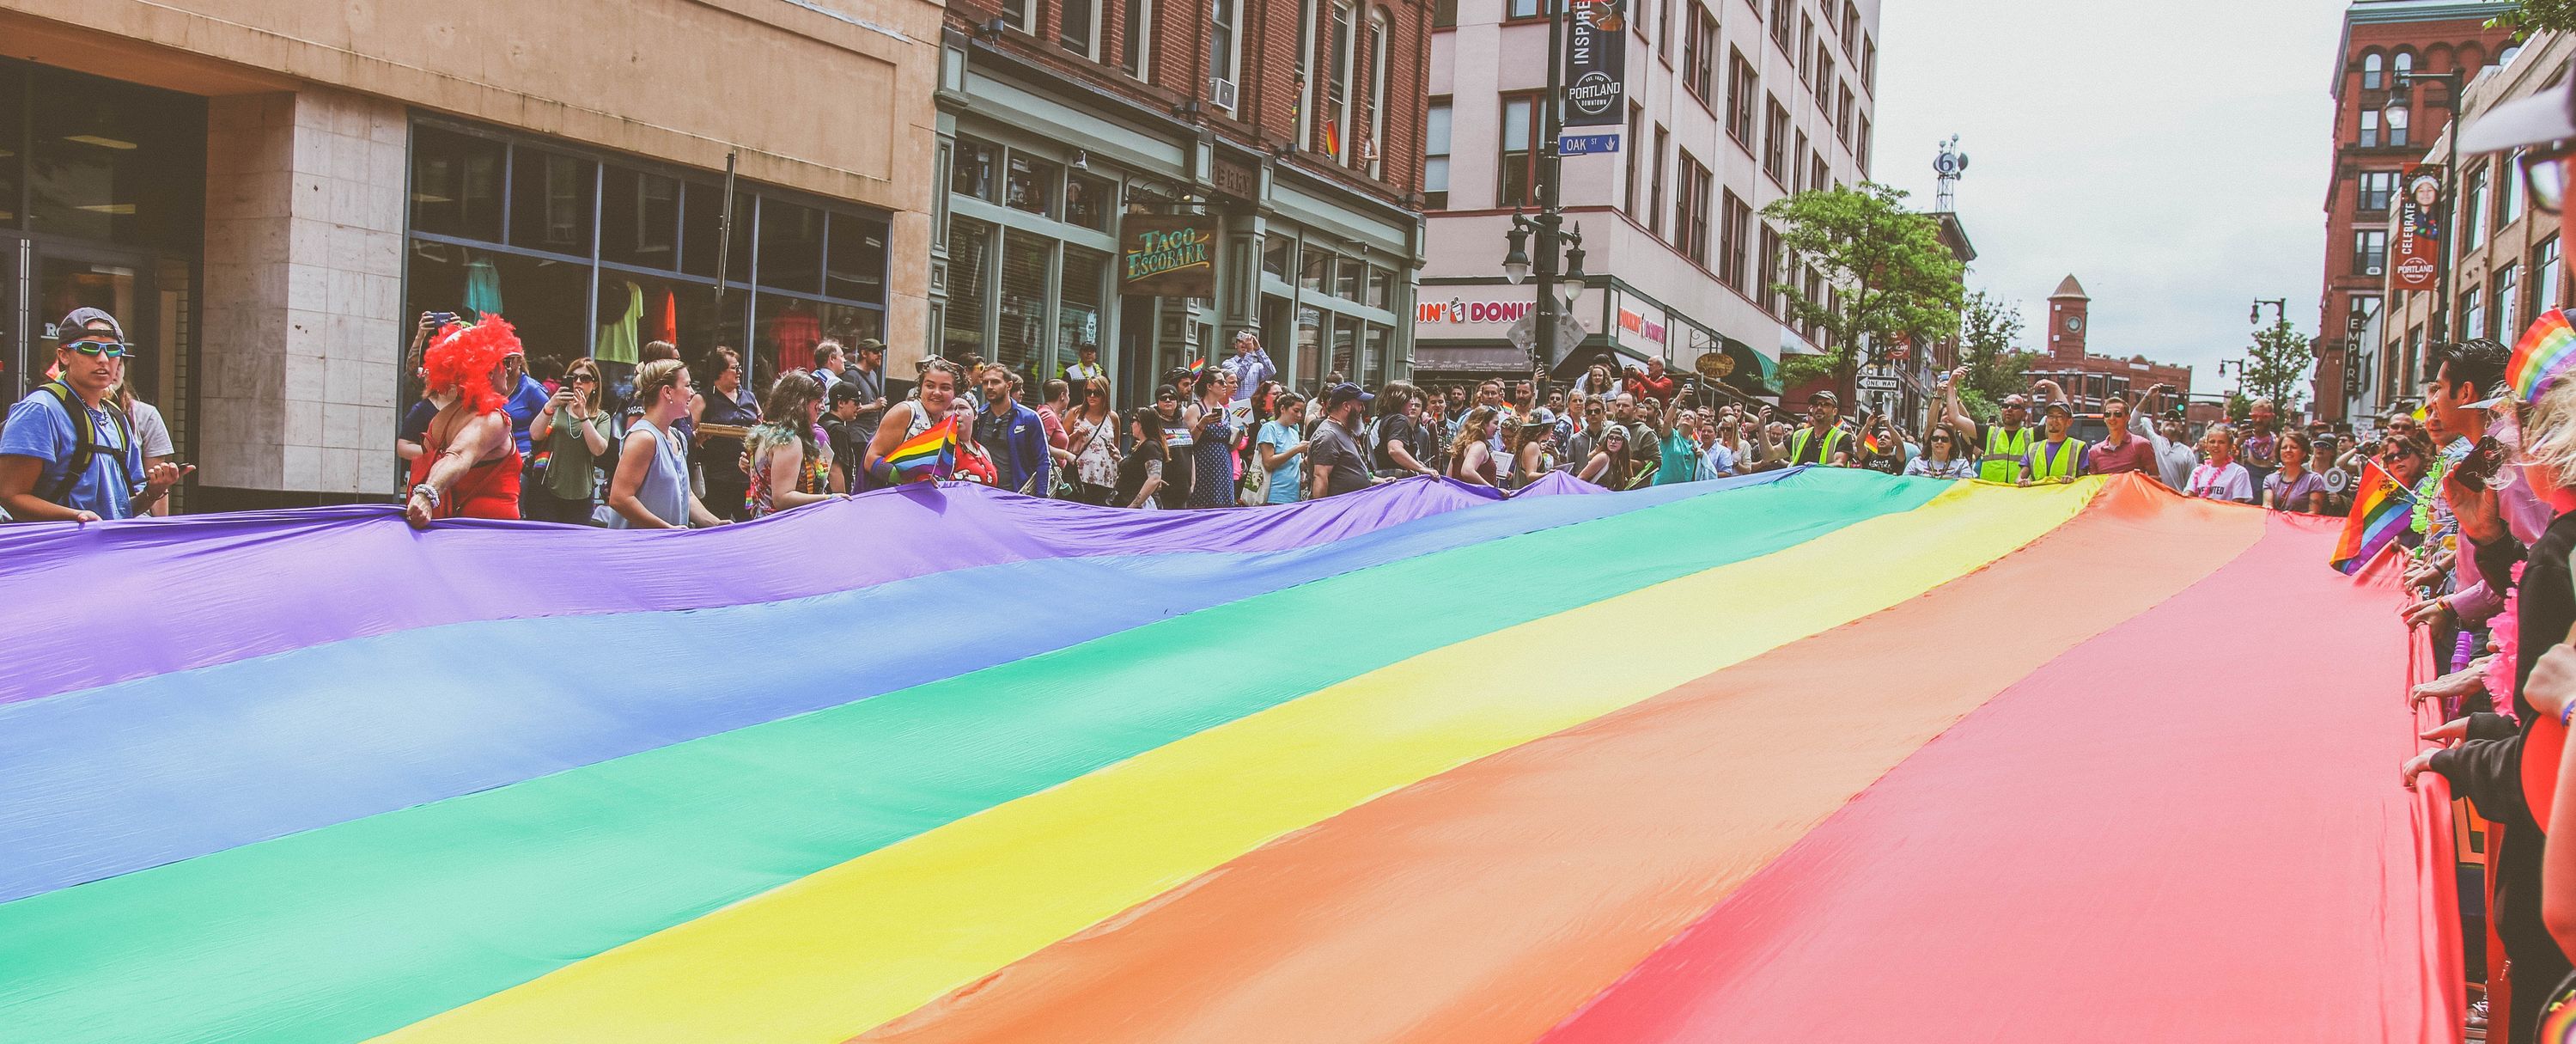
[110, 349]
[2544, 173]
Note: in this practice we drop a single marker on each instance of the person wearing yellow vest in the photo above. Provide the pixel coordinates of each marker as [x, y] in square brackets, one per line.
[1823, 440]
[2055, 457]
[2007, 443]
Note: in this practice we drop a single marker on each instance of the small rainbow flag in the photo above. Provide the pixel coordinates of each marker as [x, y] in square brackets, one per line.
[2546, 350]
[1197, 366]
[2378, 516]
[1870, 443]
[929, 455]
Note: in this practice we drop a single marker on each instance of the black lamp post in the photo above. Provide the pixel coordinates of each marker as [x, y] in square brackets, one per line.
[1547, 227]
[2280, 306]
[2395, 114]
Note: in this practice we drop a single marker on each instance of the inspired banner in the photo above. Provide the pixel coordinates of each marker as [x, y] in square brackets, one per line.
[2416, 258]
[1596, 67]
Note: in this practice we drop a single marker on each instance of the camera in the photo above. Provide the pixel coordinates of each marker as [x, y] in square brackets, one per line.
[439, 320]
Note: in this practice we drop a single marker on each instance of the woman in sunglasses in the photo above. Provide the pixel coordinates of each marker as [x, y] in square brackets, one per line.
[1094, 442]
[1941, 458]
[570, 434]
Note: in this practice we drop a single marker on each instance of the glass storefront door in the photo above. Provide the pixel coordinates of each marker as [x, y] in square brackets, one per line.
[44, 282]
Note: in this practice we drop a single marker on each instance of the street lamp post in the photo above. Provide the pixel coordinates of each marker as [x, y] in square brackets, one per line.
[2280, 306]
[2395, 114]
[1554, 245]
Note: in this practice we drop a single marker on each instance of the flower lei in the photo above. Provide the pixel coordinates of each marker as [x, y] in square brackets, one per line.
[2504, 635]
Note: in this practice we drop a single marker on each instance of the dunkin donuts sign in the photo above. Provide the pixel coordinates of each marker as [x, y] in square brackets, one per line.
[1461, 310]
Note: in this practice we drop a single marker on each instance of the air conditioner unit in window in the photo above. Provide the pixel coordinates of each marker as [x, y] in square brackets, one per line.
[1221, 93]
[2372, 270]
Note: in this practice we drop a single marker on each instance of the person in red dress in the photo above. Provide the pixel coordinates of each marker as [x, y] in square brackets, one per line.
[471, 467]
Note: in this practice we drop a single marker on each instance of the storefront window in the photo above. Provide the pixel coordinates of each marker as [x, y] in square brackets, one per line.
[1088, 201]
[970, 245]
[972, 172]
[550, 202]
[1021, 339]
[1381, 286]
[786, 330]
[639, 219]
[1275, 252]
[1318, 272]
[105, 160]
[856, 267]
[1086, 276]
[1373, 352]
[456, 184]
[701, 218]
[658, 237]
[791, 247]
[1031, 185]
[1346, 331]
[1310, 349]
[1346, 282]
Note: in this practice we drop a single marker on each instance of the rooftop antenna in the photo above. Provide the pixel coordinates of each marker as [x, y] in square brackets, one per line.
[1950, 165]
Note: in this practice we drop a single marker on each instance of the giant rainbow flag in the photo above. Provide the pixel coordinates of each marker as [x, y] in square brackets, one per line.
[1818, 755]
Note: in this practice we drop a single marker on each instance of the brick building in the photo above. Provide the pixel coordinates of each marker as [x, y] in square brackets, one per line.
[2504, 262]
[1295, 126]
[2091, 379]
[2382, 38]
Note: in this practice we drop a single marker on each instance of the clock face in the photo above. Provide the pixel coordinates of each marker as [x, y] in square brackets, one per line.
[2074, 324]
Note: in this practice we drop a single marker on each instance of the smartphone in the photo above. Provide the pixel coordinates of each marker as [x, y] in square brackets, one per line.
[439, 320]
[2474, 470]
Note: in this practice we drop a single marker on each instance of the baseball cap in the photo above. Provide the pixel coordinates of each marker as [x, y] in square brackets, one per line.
[871, 344]
[1345, 392]
[2056, 407]
[75, 324]
[1824, 396]
[2544, 117]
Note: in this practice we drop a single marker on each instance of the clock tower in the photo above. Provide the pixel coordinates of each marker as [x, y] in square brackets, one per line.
[2067, 321]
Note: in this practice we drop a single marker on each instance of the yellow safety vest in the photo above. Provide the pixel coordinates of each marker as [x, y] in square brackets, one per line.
[2004, 453]
[2060, 465]
[1798, 444]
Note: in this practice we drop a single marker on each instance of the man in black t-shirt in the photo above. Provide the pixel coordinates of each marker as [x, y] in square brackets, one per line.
[1333, 460]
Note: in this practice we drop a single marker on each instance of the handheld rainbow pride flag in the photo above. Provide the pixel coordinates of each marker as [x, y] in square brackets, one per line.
[1197, 366]
[931, 454]
[2378, 516]
[298, 810]
[2546, 350]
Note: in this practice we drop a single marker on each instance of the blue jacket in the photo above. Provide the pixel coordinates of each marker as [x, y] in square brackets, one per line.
[1018, 447]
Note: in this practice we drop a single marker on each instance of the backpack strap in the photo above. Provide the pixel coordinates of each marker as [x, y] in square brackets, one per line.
[87, 446]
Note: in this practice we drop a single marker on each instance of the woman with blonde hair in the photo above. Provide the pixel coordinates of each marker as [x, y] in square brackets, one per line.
[789, 466]
[650, 489]
[1471, 451]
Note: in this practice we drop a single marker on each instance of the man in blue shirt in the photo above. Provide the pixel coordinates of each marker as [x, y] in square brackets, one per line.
[1012, 435]
[57, 467]
[1250, 365]
[525, 403]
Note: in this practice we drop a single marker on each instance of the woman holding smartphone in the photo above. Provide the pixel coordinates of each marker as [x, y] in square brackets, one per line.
[571, 435]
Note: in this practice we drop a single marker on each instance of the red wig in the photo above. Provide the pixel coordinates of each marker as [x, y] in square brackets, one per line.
[462, 357]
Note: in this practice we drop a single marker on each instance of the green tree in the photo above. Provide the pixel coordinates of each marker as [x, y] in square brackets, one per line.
[2276, 366]
[1893, 279]
[2531, 16]
[1990, 330]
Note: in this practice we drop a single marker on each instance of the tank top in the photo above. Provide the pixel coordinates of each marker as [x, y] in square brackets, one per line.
[489, 489]
[813, 475]
[665, 489]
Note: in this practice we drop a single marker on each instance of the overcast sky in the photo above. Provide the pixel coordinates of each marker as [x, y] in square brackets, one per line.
[2171, 155]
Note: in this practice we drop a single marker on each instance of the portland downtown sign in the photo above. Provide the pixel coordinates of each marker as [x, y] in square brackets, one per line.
[1167, 255]
[2415, 259]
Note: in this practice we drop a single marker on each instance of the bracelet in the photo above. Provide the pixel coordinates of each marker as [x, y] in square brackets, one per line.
[427, 491]
[2563, 713]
